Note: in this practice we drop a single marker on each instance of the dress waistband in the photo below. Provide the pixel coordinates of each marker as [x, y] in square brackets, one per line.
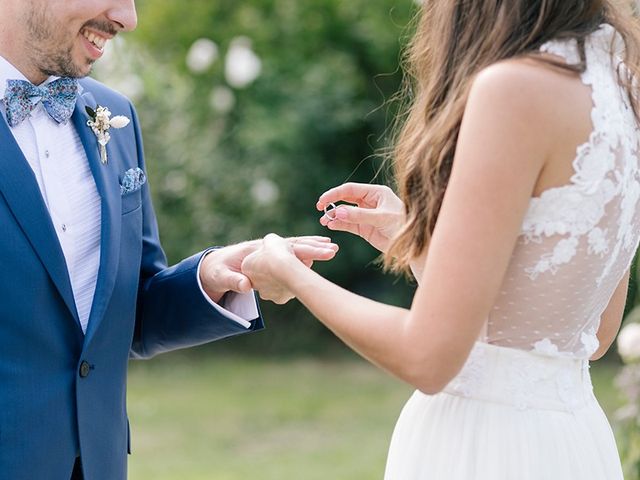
[523, 379]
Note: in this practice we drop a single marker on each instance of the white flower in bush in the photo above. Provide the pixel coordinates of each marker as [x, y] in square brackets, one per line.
[629, 342]
[242, 65]
[265, 192]
[201, 55]
[222, 99]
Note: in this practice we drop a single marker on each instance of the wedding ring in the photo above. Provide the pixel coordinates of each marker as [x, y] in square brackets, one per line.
[327, 210]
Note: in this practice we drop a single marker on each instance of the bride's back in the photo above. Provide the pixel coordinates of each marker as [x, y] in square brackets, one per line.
[578, 239]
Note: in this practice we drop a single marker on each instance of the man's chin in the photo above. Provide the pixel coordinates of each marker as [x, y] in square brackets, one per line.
[80, 65]
[81, 72]
[76, 72]
[84, 70]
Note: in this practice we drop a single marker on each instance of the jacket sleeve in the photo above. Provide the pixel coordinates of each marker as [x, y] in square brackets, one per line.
[172, 312]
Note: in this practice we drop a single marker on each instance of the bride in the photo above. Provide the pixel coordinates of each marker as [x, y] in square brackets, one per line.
[519, 214]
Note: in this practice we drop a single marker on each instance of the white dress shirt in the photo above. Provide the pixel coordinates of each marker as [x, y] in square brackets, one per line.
[58, 160]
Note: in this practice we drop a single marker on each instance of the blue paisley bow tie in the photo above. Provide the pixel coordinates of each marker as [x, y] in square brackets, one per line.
[57, 97]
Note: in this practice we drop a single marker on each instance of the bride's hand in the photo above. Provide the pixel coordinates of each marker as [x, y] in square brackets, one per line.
[265, 267]
[377, 215]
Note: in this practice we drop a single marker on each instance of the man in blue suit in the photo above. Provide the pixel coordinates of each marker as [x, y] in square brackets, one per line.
[84, 283]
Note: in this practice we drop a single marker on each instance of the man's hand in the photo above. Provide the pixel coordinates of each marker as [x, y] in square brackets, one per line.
[377, 216]
[221, 272]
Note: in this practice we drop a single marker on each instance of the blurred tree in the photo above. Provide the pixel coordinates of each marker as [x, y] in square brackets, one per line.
[250, 110]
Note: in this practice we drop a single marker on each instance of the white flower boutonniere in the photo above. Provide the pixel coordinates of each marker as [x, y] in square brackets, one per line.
[100, 123]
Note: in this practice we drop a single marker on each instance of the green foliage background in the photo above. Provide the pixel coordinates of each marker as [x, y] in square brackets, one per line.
[315, 117]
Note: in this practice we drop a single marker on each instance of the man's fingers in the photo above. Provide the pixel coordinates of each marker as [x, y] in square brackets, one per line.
[237, 282]
[244, 285]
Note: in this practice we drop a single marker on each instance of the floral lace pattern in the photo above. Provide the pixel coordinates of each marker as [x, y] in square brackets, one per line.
[588, 340]
[577, 240]
[523, 379]
[577, 208]
[471, 376]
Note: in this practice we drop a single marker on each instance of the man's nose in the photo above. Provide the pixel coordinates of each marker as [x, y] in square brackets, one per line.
[123, 13]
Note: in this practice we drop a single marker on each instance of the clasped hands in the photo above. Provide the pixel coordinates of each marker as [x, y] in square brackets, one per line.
[221, 269]
[376, 214]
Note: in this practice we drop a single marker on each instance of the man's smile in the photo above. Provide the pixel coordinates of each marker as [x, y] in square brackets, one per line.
[95, 38]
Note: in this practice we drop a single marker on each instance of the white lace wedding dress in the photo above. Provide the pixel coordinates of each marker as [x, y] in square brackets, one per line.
[523, 408]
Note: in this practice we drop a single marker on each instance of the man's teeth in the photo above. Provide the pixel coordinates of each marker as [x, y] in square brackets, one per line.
[97, 40]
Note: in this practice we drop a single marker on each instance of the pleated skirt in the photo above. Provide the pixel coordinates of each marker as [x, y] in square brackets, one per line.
[508, 415]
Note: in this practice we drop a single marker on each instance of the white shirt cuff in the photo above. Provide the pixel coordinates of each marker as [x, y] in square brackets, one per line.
[239, 307]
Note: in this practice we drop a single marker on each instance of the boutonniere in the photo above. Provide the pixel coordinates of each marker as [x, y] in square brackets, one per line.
[100, 123]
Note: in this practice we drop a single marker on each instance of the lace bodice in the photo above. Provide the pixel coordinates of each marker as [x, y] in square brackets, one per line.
[577, 240]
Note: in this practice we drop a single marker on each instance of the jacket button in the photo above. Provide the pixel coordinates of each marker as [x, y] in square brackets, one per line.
[85, 368]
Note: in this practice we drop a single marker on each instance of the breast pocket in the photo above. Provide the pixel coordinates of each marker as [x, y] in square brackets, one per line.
[131, 201]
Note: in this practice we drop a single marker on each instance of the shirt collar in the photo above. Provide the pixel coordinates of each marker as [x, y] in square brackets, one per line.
[8, 72]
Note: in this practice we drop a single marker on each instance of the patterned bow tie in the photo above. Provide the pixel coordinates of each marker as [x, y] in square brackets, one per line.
[57, 97]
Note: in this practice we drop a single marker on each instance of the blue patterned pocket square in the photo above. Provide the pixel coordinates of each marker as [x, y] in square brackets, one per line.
[133, 180]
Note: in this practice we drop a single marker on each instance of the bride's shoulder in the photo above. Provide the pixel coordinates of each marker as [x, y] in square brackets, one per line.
[536, 88]
[538, 78]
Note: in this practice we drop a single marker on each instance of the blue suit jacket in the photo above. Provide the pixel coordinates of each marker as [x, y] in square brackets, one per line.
[50, 411]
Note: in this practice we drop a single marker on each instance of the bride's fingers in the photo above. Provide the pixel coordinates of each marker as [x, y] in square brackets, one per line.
[305, 251]
[312, 242]
[315, 244]
[361, 216]
[347, 192]
[340, 226]
[306, 248]
[311, 253]
[308, 238]
[340, 213]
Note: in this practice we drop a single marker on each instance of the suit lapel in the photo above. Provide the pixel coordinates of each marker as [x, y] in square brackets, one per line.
[108, 186]
[22, 193]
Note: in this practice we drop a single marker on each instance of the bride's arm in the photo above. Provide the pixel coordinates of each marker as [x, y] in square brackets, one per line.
[502, 146]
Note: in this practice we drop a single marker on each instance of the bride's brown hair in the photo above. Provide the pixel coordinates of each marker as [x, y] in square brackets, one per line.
[454, 40]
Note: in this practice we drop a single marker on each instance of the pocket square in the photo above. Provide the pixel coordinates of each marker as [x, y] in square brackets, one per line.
[132, 180]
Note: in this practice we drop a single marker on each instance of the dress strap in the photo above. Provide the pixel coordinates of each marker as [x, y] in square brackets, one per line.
[566, 49]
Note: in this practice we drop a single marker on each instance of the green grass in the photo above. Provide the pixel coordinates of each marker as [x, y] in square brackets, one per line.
[197, 417]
